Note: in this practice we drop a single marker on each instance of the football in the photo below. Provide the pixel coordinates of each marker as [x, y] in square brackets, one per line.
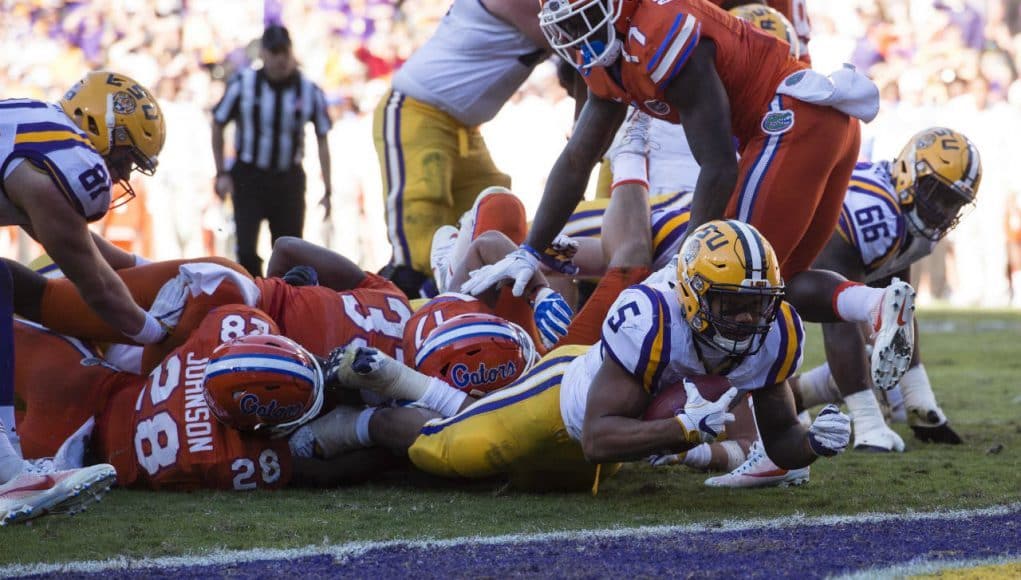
[671, 399]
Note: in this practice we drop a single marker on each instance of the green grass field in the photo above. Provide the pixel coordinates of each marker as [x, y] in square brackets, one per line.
[973, 359]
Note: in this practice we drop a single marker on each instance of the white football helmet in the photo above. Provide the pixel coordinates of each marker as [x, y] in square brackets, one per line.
[586, 26]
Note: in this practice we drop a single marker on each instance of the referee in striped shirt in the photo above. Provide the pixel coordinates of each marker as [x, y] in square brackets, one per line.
[270, 107]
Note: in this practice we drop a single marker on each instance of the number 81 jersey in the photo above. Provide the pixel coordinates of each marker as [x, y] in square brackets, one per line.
[163, 435]
[44, 135]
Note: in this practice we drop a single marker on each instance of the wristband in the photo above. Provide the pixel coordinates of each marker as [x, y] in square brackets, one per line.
[552, 260]
[152, 331]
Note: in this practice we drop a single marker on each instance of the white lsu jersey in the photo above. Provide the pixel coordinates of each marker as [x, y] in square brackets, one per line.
[647, 335]
[44, 135]
[872, 221]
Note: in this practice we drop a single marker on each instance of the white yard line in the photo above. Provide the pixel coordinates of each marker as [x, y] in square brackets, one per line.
[350, 549]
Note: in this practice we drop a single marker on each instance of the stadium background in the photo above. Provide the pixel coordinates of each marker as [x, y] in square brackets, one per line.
[937, 62]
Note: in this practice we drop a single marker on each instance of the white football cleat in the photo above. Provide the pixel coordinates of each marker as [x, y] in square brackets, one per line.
[35, 493]
[894, 335]
[760, 471]
[633, 137]
[439, 256]
[879, 440]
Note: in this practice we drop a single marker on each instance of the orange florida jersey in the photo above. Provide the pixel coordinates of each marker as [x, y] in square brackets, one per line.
[659, 38]
[161, 434]
[320, 319]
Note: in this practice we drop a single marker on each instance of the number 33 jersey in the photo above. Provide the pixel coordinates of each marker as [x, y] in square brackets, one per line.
[872, 221]
[163, 435]
[43, 135]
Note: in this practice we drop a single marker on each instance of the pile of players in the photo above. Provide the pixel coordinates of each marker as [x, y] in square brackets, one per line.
[322, 374]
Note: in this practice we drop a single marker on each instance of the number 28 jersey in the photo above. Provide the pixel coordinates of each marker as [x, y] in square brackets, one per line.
[163, 435]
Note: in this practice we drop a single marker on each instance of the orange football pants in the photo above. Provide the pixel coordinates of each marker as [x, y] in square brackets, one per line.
[64, 311]
[58, 385]
[791, 185]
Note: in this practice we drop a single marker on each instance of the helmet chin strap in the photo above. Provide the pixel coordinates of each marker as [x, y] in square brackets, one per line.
[111, 122]
[598, 53]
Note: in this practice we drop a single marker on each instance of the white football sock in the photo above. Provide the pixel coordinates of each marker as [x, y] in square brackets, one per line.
[337, 431]
[442, 398]
[7, 418]
[10, 461]
[362, 426]
[858, 303]
[735, 454]
[629, 168]
[817, 387]
[895, 400]
[698, 457]
[865, 411]
[919, 398]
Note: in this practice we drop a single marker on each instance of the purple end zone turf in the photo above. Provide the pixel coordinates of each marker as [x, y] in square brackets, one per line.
[808, 551]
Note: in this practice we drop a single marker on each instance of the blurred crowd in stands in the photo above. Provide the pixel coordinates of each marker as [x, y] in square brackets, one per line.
[937, 62]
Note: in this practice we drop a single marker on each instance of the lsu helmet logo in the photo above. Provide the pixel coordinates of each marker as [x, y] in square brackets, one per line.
[123, 103]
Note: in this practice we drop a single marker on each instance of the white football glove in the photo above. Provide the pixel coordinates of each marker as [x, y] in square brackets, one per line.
[552, 316]
[519, 266]
[830, 432]
[702, 420]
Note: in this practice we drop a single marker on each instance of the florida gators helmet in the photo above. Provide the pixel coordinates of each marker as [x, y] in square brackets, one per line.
[772, 22]
[263, 381]
[477, 352]
[936, 177]
[729, 285]
[586, 26]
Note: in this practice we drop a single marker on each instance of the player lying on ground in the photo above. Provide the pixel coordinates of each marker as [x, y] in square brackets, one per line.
[887, 223]
[581, 406]
[183, 426]
[479, 345]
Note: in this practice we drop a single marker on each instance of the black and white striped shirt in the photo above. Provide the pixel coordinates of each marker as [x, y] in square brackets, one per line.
[271, 117]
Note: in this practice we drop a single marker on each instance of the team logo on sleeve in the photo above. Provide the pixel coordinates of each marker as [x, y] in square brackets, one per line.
[658, 107]
[778, 122]
[123, 103]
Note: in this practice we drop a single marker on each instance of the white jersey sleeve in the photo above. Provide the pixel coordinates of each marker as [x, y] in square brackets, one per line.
[636, 334]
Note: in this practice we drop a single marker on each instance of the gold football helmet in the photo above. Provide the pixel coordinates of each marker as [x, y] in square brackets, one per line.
[772, 22]
[729, 285]
[936, 177]
[115, 111]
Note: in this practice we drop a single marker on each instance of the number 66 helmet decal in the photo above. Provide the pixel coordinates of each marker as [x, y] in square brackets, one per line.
[263, 381]
[729, 285]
